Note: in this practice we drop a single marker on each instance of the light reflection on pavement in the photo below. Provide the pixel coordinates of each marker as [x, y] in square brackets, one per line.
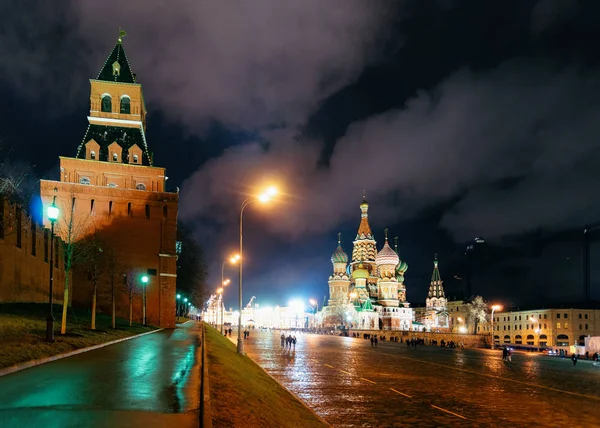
[149, 381]
[351, 384]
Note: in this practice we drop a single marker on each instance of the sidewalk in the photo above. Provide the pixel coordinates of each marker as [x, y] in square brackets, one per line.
[150, 381]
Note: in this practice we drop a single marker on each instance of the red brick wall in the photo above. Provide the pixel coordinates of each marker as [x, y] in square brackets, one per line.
[25, 277]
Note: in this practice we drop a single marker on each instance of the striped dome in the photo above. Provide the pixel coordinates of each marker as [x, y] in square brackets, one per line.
[339, 255]
[401, 268]
[387, 256]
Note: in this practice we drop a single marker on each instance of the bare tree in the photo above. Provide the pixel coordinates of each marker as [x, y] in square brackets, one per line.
[131, 290]
[114, 271]
[476, 312]
[71, 227]
[92, 255]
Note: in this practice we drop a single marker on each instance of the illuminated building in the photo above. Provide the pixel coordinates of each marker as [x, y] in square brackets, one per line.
[368, 292]
[112, 190]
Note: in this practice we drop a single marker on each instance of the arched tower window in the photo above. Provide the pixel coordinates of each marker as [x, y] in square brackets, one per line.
[93, 155]
[84, 180]
[125, 105]
[106, 103]
[115, 157]
[136, 159]
[140, 186]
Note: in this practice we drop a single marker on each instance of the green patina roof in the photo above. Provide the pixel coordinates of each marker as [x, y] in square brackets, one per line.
[117, 55]
[106, 135]
[367, 306]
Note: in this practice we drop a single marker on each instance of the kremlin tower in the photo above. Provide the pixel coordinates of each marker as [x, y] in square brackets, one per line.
[339, 281]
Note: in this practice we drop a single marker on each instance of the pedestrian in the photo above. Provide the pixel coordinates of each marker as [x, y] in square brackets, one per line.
[372, 341]
[574, 359]
[504, 354]
[294, 342]
[375, 340]
[282, 340]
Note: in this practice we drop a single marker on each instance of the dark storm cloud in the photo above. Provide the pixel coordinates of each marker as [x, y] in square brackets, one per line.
[520, 123]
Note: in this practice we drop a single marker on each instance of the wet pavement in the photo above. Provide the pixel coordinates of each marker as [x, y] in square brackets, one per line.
[351, 384]
[150, 381]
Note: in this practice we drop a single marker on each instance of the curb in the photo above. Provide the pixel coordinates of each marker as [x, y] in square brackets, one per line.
[206, 421]
[28, 364]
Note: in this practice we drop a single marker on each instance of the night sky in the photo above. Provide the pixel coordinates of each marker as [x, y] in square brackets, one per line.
[460, 119]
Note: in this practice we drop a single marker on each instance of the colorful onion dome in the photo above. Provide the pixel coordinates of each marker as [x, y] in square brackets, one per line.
[339, 255]
[387, 256]
[402, 267]
[360, 272]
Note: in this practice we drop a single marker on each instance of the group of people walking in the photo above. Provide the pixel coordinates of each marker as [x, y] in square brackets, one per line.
[288, 341]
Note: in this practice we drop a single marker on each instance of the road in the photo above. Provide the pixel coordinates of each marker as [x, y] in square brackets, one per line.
[351, 384]
[150, 381]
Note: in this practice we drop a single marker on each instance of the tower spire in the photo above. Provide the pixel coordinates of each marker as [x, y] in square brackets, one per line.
[396, 244]
[385, 232]
[339, 238]
[436, 289]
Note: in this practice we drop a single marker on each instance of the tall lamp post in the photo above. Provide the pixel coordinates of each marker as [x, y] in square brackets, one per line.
[265, 197]
[177, 305]
[537, 329]
[53, 212]
[232, 260]
[494, 309]
[144, 284]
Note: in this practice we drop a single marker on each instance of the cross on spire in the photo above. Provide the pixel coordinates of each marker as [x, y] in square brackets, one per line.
[122, 33]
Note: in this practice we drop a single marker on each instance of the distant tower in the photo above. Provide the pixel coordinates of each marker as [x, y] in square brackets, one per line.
[339, 281]
[436, 302]
[365, 250]
[387, 284]
[401, 269]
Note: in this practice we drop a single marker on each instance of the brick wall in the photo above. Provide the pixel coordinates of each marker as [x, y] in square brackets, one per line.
[24, 258]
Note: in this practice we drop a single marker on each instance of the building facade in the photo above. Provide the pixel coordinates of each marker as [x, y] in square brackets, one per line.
[112, 190]
[544, 327]
[368, 291]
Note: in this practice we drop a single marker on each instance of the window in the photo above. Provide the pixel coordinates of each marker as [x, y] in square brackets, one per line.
[110, 206]
[586, 326]
[579, 316]
[140, 186]
[585, 316]
[565, 316]
[115, 157]
[84, 180]
[34, 237]
[557, 325]
[557, 316]
[46, 239]
[112, 185]
[545, 326]
[56, 249]
[545, 317]
[125, 105]
[93, 155]
[18, 211]
[562, 340]
[129, 211]
[136, 158]
[106, 103]
[580, 327]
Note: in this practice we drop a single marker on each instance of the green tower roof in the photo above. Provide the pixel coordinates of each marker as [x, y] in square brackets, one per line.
[116, 68]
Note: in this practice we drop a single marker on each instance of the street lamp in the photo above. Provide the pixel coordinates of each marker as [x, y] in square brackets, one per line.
[177, 305]
[233, 259]
[537, 329]
[144, 280]
[265, 197]
[494, 308]
[53, 212]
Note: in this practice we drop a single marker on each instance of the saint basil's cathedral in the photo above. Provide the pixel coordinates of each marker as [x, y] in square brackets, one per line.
[368, 292]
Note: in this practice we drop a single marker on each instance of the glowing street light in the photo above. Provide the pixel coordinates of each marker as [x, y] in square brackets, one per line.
[53, 213]
[265, 197]
[144, 280]
[233, 260]
[494, 308]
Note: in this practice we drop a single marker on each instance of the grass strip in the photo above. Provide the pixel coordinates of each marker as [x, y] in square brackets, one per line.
[23, 330]
[243, 395]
